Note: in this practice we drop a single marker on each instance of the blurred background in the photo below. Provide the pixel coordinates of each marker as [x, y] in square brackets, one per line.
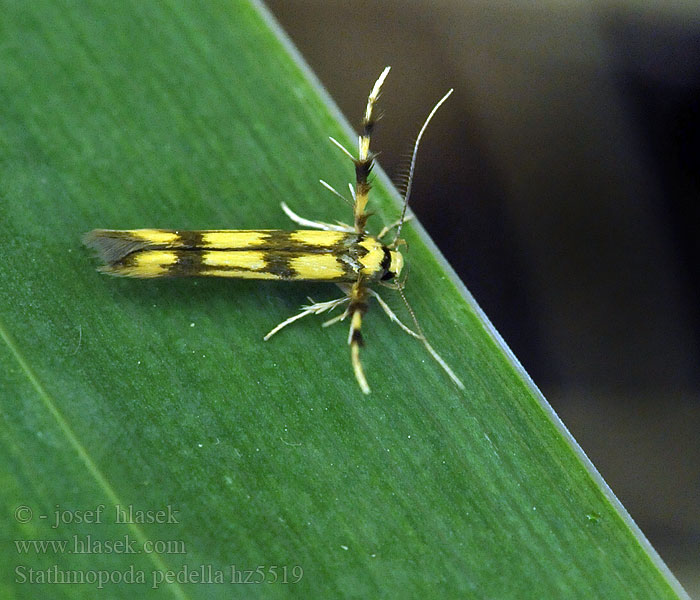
[562, 182]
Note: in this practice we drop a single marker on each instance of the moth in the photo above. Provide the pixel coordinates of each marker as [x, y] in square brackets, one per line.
[339, 253]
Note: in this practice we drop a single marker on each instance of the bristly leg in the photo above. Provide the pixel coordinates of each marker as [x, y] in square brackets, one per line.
[365, 159]
[387, 228]
[356, 310]
[356, 295]
[315, 308]
[315, 224]
[421, 336]
[363, 167]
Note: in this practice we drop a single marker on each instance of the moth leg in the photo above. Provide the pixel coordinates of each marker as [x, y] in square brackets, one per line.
[335, 192]
[392, 315]
[365, 158]
[356, 310]
[315, 224]
[420, 335]
[311, 309]
[393, 225]
[334, 320]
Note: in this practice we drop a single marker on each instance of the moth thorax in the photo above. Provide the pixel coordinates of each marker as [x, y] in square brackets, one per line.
[395, 265]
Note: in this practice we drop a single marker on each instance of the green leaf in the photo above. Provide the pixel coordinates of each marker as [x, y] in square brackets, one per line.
[162, 396]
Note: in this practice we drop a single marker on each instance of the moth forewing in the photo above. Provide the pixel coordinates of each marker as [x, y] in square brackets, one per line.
[301, 255]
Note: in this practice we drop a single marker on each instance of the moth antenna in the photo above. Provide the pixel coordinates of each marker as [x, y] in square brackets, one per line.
[401, 173]
[413, 162]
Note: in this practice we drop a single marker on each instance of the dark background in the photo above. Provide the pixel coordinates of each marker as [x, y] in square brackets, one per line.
[562, 182]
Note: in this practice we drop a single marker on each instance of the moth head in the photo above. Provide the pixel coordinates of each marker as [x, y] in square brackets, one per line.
[395, 265]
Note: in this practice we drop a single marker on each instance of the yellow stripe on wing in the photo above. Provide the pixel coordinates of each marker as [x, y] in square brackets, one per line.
[239, 264]
[238, 259]
[152, 237]
[318, 267]
[232, 239]
[237, 274]
[153, 263]
[307, 237]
